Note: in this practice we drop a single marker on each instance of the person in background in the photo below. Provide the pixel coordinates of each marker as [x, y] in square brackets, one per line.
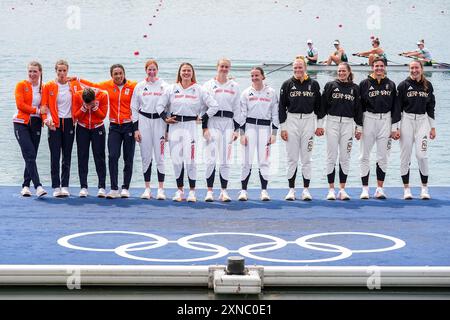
[312, 54]
[28, 124]
[375, 53]
[421, 53]
[337, 56]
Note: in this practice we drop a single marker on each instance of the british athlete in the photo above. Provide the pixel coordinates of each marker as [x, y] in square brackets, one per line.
[149, 128]
[181, 105]
[223, 128]
[259, 104]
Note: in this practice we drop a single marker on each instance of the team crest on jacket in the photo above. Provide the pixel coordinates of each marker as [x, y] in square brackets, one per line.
[26, 89]
[127, 91]
[387, 87]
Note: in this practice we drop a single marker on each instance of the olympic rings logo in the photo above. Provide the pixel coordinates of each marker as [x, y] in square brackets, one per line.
[269, 244]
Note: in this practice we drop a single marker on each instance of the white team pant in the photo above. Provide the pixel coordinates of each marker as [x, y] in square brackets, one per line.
[339, 132]
[376, 129]
[153, 142]
[219, 148]
[182, 143]
[300, 128]
[414, 131]
[258, 140]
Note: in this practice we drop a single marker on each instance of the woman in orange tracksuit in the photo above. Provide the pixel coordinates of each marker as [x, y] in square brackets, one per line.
[120, 91]
[91, 107]
[58, 96]
[28, 124]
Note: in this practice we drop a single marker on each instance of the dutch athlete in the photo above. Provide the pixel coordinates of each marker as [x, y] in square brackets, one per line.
[223, 127]
[417, 103]
[149, 128]
[91, 107]
[342, 105]
[181, 105]
[28, 124]
[259, 109]
[58, 95]
[121, 133]
[381, 123]
[299, 105]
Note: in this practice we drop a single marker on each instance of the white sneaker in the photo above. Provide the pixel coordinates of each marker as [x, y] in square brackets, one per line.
[365, 194]
[265, 195]
[83, 193]
[161, 195]
[65, 192]
[179, 196]
[113, 194]
[224, 197]
[379, 194]
[147, 194]
[343, 195]
[407, 195]
[424, 194]
[125, 193]
[291, 195]
[57, 193]
[26, 192]
[243, 196]
[101, 193]
[40, 192]
[209, 196]
[306, 196]
[331, 195]
[191, 196]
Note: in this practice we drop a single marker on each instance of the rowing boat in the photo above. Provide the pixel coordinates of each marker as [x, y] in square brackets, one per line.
[323, 68]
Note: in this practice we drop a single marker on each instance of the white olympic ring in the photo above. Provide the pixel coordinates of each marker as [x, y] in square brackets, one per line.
[220, 251]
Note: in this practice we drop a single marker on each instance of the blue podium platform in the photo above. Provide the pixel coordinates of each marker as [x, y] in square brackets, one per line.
[150, 233]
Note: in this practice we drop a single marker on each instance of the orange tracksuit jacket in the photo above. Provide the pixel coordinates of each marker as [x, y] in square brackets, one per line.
[119, 100]
[91, 118]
